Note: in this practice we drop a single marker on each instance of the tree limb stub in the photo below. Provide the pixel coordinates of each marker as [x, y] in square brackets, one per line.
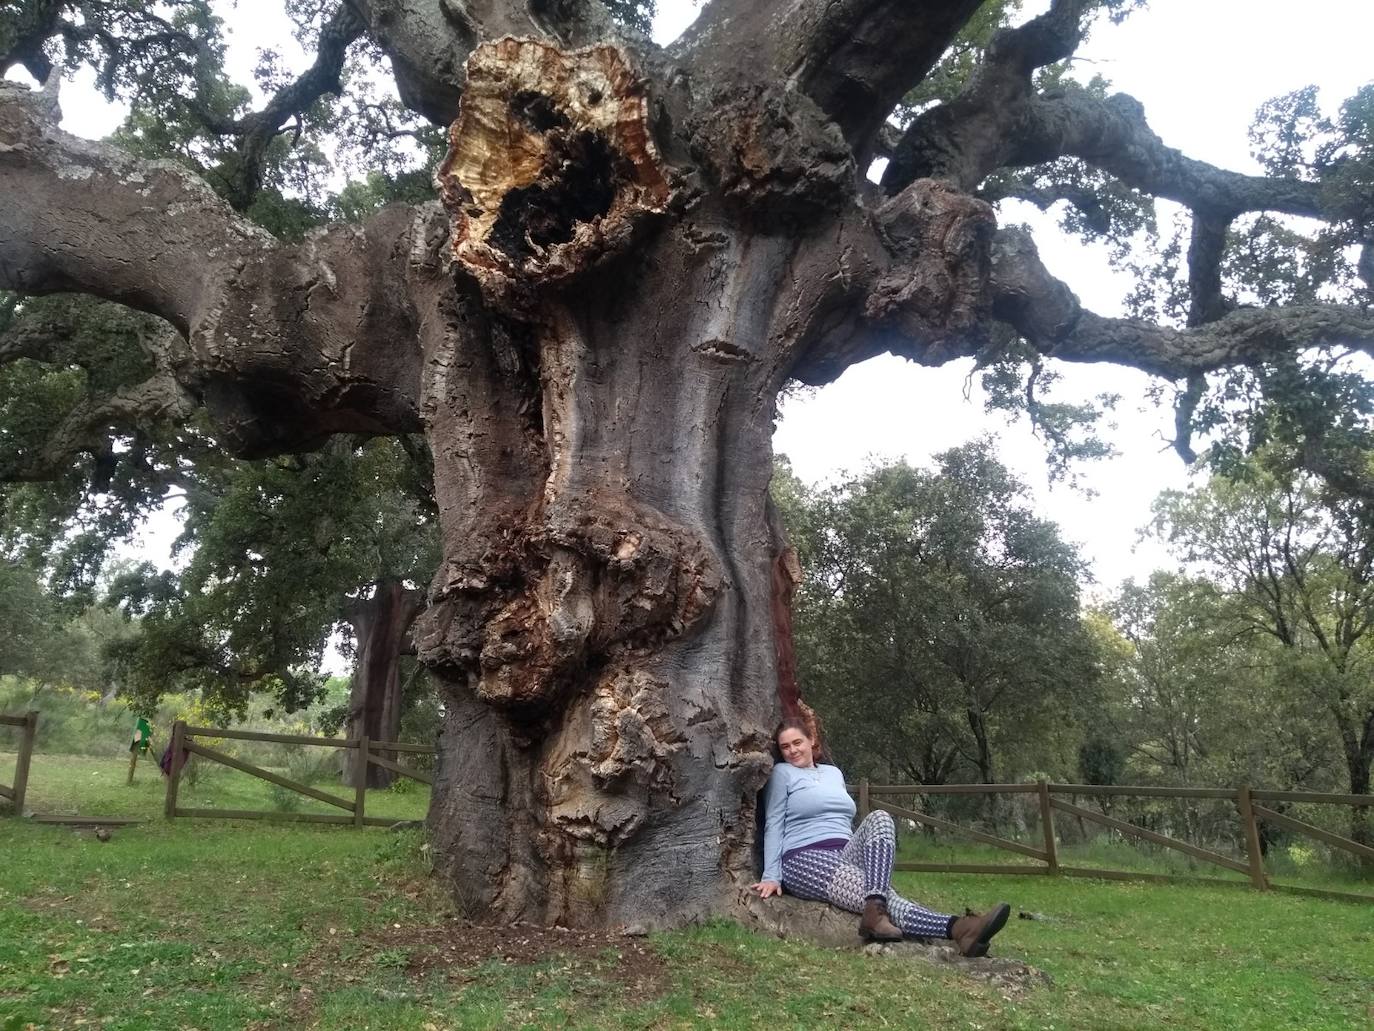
[550, 165]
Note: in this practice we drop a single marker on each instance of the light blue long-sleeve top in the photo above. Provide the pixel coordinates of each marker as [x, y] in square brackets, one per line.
[803, 806]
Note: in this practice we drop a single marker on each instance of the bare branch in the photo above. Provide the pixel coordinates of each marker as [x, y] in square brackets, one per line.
[854, 58]
[258, 129]
[1048, 315]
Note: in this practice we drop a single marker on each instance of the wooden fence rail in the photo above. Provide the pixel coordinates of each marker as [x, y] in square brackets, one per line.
[15, 792]
[1251, 815]
[184, 743]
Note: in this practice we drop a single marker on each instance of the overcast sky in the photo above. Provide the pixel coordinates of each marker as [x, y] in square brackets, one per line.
[1201, 68]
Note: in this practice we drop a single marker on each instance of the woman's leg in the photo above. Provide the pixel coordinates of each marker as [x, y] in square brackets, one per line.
[807, 874]
[865, 870]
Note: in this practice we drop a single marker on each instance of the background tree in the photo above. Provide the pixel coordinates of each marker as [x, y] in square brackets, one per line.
[287, 553]
[937, 622]
[1295, 563]
[637, 249]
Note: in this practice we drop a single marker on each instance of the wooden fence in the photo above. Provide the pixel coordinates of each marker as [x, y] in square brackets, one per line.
[1246, 800]
[184, 742]
[15, 792]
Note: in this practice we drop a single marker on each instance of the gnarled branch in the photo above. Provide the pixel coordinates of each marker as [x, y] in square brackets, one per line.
[289, 342]
[1044, 311]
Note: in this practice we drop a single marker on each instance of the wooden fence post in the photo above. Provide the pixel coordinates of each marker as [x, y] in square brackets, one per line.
[1047, 828]
[864, 807]
[1252, 839]
[175, 763]
[360, 782]
[21, 767]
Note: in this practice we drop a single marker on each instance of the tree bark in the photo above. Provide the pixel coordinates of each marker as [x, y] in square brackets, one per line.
[381, 626]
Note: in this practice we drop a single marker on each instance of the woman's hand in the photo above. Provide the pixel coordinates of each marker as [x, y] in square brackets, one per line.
[766, 888]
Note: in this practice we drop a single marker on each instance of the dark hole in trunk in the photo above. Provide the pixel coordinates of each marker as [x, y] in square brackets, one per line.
[537, 111]
[577, 185]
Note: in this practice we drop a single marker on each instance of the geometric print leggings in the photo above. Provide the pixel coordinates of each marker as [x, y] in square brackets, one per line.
[849, 876]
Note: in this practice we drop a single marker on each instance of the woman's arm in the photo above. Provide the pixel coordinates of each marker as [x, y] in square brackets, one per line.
[775, 818]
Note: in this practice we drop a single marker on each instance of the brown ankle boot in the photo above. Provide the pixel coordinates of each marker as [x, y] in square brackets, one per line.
[875, 926]
[971, 934]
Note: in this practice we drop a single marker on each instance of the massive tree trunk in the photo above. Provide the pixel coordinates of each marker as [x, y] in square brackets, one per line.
[639, 248]
[381, 626]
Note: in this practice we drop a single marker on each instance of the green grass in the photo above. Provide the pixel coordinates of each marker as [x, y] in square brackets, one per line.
[1301, 865]
[201, 924]
[96, 786]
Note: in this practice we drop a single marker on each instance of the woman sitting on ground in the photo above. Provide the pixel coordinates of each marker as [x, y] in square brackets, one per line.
[809, 849]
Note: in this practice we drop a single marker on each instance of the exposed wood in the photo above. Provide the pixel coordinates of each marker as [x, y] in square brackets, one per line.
[402, 746]
[1323, 893]
[85, 821]
[1158, 839]
[1047, 827]
[360, 761]
[1311, 796]
[271, 817]
[283, 739]
[178, 749]
[21, 765]
[1252, 838]
[256, 814]
[1024, 871]
[267, 775]
[953, 789]
[405, 771]
[1143, 791]
[864, 805]
[1303, 827]
[1155, 878]
[968, 832]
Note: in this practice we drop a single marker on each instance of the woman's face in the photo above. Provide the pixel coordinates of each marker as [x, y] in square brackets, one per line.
[796, 748]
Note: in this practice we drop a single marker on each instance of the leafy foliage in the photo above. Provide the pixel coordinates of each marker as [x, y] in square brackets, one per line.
[937, 624]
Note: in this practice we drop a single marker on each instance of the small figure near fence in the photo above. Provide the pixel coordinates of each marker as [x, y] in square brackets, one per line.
[139, 745]
[809, 849]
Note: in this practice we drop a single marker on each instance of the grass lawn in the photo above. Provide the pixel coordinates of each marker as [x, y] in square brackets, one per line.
[96, 786]
[206, 924]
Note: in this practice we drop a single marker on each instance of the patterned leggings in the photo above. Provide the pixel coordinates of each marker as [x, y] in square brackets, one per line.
[849, 876]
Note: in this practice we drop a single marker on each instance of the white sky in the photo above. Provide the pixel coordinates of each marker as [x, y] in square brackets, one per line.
[1201, 68]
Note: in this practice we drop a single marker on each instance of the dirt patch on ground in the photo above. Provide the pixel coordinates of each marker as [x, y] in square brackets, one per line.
[460, 950]
[460, 946]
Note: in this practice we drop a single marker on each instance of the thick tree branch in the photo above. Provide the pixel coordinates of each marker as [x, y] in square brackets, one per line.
[1044, 311]
[964, 140]
[1109, 134]
[854, 58]
[1000, 122]
[288, 343]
